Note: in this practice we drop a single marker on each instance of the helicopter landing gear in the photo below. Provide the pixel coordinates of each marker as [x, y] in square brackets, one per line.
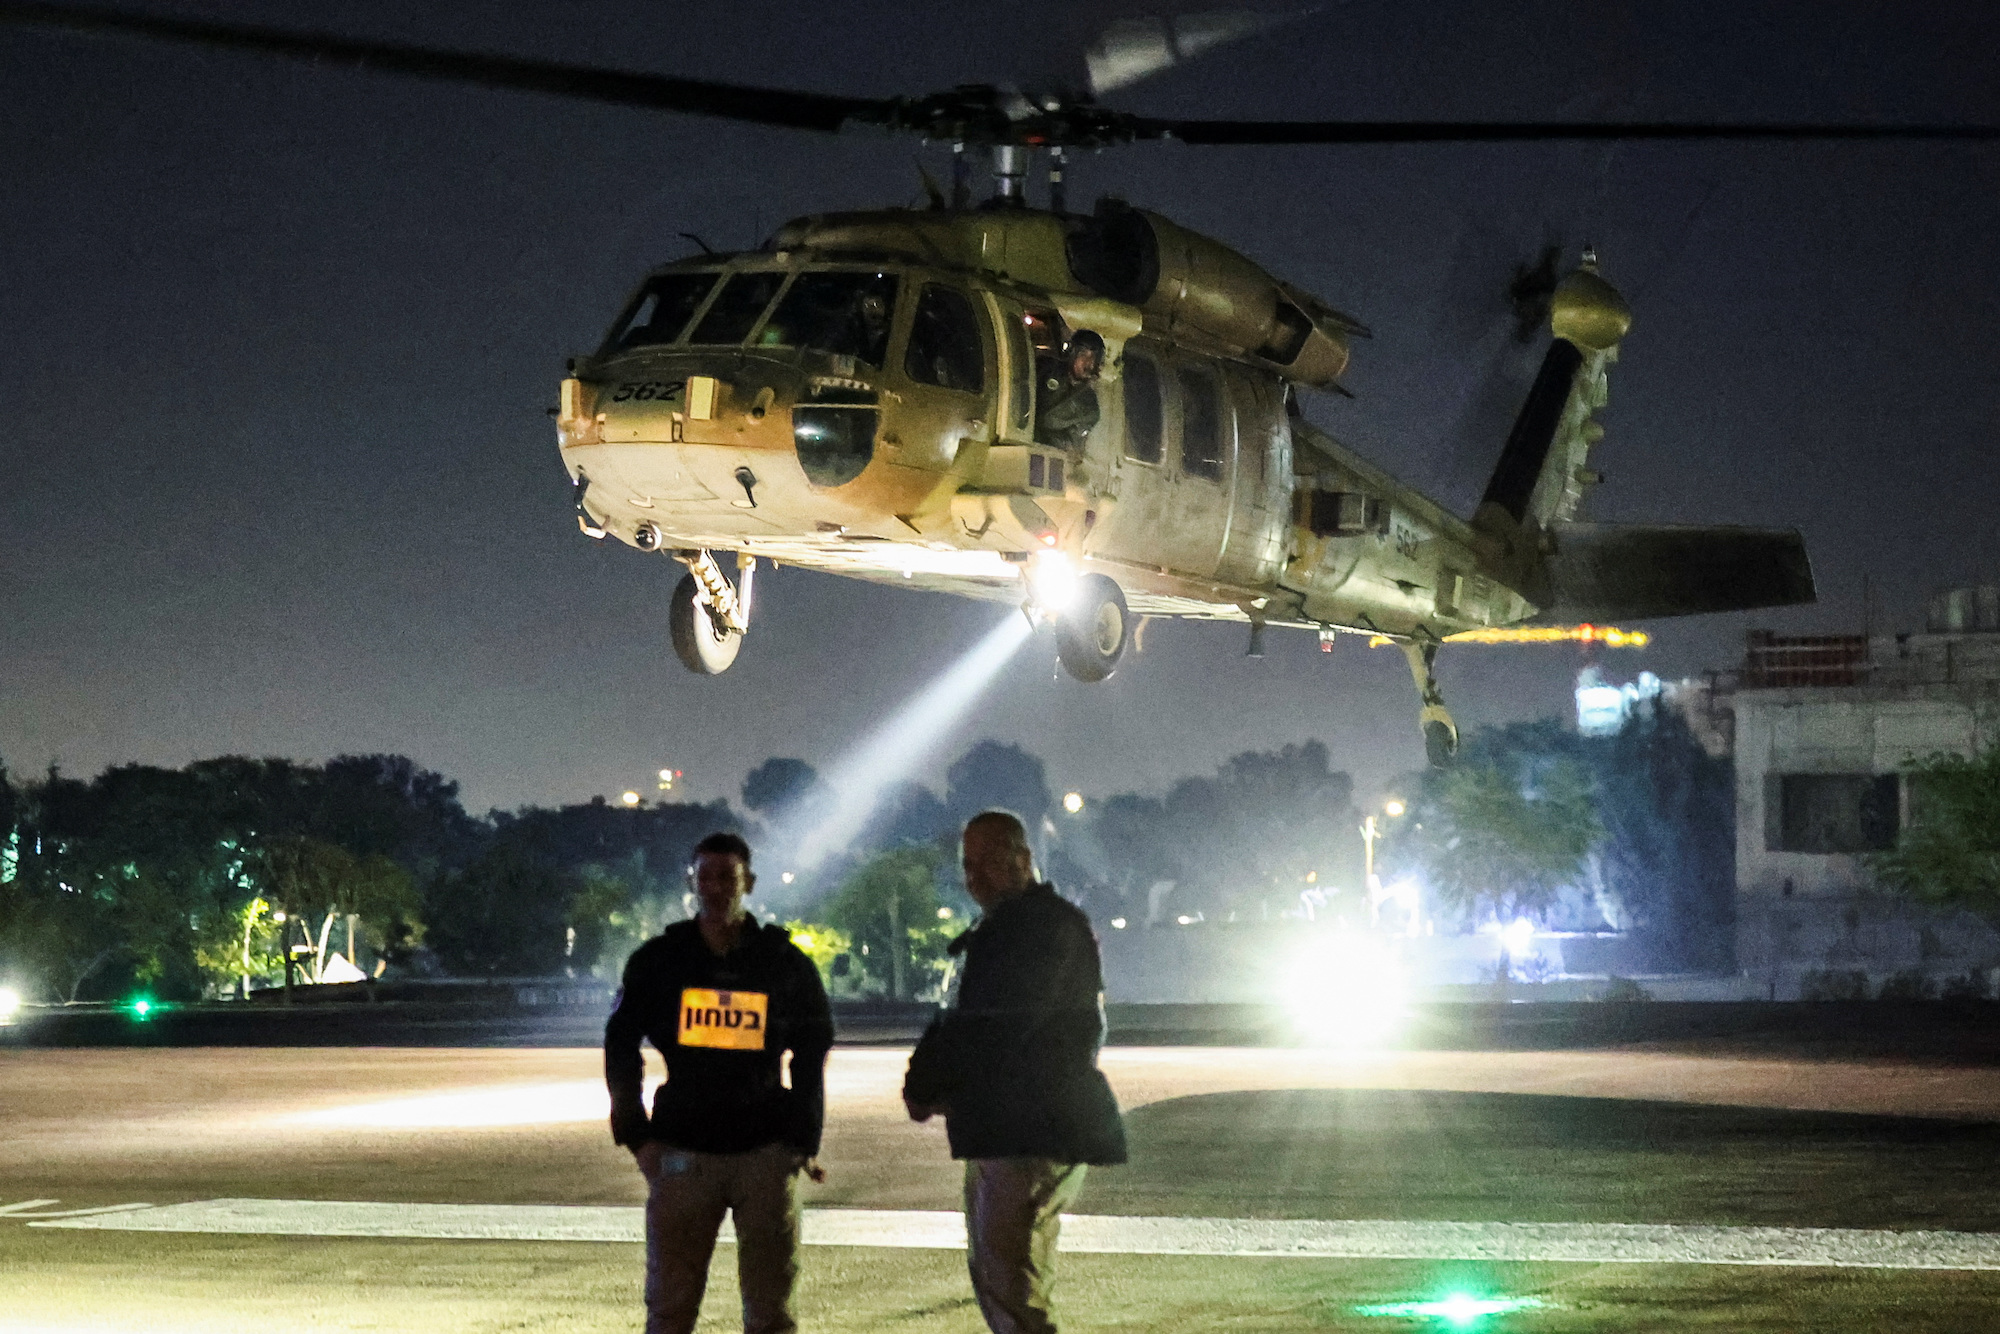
[1440, 732]
[1091, 633]
[708, 615]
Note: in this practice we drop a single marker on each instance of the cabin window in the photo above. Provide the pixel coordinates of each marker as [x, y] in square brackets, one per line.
[1142, 409]
[1201, 425]
[846, 314]
[737, 306]
[665, 305]
[945, 348]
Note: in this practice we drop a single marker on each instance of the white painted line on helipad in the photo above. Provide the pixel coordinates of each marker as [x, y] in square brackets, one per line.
[1106, 1234]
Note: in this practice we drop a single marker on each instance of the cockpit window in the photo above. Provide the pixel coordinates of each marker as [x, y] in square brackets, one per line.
[737, 307]
[945, 348]
[846, 314]
[664, 307]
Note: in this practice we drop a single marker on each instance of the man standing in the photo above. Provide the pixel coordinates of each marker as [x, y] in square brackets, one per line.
[1013, 1068]
[722, 999]
[1067, 411]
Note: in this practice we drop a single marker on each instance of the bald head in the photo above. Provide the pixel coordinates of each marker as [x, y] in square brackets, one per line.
[998, 864]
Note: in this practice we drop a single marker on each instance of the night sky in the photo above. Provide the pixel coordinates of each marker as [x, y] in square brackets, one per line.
[276, 346]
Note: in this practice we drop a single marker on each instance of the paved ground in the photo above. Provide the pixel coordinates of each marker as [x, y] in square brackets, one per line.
[1564, 1140]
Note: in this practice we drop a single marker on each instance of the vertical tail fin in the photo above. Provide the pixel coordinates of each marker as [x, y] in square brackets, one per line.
[1540, 478]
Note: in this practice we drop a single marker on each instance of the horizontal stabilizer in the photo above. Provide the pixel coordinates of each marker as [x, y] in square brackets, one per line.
[1612, 571]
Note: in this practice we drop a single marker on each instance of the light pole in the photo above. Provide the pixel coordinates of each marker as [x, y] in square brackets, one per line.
[1370, 831]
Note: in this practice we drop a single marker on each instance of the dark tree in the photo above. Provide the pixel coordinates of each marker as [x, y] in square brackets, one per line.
[996, 775]
[505, 915]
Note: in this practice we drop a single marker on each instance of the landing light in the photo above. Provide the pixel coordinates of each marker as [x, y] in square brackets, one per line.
[1052, 581]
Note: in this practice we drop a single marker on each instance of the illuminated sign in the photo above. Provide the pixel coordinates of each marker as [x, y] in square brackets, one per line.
[734, 1020]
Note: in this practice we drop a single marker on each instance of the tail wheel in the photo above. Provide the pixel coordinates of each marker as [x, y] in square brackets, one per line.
[701, 642]
[1091, 635]
[1440, 743]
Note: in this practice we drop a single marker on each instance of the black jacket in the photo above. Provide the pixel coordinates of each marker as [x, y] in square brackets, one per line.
[1015, 1059]
[723, 1050]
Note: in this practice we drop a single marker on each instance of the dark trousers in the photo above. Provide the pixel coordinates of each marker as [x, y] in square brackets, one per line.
[1013, 1214]
[684, 1209]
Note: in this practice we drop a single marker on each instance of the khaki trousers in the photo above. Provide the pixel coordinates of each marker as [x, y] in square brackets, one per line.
[684, 1209]
[1013, 1213]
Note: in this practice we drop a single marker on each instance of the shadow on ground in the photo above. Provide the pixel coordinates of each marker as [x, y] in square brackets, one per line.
[1370, 1153]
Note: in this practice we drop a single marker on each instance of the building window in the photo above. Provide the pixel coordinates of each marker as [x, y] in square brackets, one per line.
[1831, 813]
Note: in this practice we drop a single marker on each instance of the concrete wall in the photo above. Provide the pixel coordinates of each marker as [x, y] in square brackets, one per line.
[1799, 914]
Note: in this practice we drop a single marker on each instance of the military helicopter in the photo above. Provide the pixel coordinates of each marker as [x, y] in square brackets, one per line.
[865, 393]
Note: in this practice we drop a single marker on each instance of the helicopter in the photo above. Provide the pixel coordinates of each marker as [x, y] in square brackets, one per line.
[866, 393]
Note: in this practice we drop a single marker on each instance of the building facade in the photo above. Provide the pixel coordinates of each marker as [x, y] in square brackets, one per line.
[1823, 729]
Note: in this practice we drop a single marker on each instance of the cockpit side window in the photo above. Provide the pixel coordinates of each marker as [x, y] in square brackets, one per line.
[844, 313]
[945, 347]
[666, 303]
[734, 313]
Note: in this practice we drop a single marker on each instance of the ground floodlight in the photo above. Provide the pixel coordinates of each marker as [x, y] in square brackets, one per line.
[10, 1004]
[1348, 989]
[141, 1007]
[1517, 936]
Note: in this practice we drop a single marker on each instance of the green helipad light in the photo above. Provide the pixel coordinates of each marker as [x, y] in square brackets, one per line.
[1458, 1311]
[141, 1008]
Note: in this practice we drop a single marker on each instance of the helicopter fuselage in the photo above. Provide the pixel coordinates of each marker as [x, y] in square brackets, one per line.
[861, 398]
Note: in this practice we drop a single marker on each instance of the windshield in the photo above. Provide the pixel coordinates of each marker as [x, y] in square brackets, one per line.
[737, 307]
[665, 305]
[846, 314]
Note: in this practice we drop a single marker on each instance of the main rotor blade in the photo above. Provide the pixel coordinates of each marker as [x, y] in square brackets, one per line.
[1500, 132]
[764, 106]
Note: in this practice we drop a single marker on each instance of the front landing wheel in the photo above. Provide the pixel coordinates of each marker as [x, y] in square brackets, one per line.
[1091, 634]
[702, 643]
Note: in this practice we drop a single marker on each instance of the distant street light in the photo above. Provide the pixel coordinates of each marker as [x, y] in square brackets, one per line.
[788, 877]
[1393, 807]
[1073, 802]
[630, 798]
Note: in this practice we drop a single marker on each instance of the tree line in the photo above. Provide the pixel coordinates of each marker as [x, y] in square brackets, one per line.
[205, 880]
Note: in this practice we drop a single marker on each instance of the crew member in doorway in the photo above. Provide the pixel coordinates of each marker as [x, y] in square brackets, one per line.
[1067, 409]
[722, 999]
[1012, 1066]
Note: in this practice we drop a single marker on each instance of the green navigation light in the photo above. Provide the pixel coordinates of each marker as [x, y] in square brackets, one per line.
[1458, 1311]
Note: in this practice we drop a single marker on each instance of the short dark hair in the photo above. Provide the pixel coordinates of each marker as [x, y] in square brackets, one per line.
[1085, 338]
[1005, 823]
[723, 844]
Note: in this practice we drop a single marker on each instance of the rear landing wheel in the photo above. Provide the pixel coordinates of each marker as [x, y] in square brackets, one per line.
[1091, 635]
[1440, 743]
[701, 642]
